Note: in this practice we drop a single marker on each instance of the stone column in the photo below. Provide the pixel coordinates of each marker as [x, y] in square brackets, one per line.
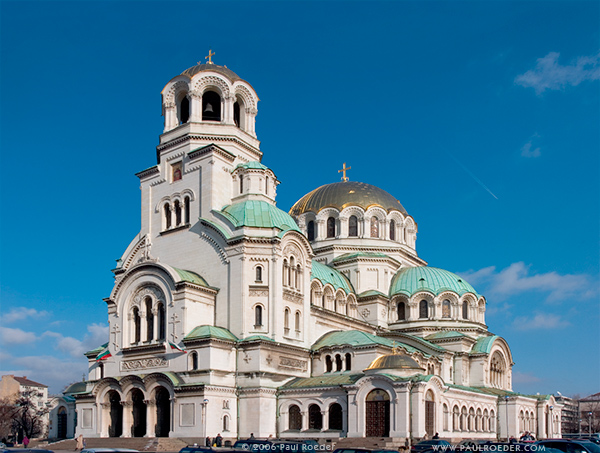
[304, 420]
[127, 418]
[170, 116]
[195, 105]
[150, 418]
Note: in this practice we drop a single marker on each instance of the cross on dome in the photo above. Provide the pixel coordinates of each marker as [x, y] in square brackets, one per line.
[343, 170]
[209, 56]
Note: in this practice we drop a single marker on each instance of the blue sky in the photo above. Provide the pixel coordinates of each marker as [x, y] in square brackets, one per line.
[482, 118]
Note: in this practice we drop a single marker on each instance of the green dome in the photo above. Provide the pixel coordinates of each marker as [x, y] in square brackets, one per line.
[431, 279]
[330, 275]
[260, 214]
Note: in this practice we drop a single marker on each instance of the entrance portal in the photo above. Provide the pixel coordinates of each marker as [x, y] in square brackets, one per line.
[116, 415]
[377, 406]
[138, 428]
[163, 412]
[62, 423]
[429, 414]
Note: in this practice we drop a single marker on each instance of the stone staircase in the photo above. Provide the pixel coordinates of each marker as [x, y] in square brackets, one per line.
[371, 442]
[150, 444]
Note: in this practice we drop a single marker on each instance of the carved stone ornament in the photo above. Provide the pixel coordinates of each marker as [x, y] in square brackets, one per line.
[142, 364]
[289, 362]
[151, 291]
[259, 292]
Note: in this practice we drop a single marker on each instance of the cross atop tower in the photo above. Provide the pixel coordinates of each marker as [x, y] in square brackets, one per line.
[343, 170]
[209, 56]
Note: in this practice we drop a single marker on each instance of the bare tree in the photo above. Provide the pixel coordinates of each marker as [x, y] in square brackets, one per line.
[29, 416]
[7, 412]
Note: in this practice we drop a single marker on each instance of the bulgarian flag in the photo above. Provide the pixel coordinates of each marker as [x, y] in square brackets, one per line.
[103, 355]
[174, 346]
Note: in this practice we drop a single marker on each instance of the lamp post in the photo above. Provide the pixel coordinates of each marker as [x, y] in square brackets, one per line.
[551, 424]
[590, 416]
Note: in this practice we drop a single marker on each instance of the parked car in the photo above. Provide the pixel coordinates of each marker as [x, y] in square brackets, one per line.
[472, 444]
[427, 445]
[570, 446]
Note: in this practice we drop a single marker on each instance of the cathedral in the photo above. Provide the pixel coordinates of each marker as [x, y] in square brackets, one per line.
[229, 315]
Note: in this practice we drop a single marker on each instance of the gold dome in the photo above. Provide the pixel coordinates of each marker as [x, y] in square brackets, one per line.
[342, 194]
[394, 361]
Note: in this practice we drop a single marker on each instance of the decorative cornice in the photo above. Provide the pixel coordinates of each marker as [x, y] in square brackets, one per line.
[216, 138]
[211, 149]
[144, 349]
[148, 172]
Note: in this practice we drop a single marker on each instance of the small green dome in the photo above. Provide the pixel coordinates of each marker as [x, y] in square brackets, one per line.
[431, 279]
[253, 165]
[260, 214]
[326, 274]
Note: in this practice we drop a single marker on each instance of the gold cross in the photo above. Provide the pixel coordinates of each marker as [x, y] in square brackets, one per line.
[209, 56]
[343, 170]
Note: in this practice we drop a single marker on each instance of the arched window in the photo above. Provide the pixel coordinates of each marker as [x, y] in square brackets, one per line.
[315, 418]
[236, 113]
[149, 320]
[295, 422]
[100, 370]
[336, 417]
[266, 185]
[241, 184]
[297, 321]
[446, 417]
[338, 362]
[463, 419]
[211, 106]
[187, 210]
[193, 360]
[423, 309]
[486, 421]
[374, 227]
[258, 316]
[137, 326]
[455, 419]
[446, 309]
[167, 216]
[492, 421]
[292, 273]
[330, 227]
[184, 110]
[353, 226]
[284, 274]
[177, 213]
[348, 361]
[465, 310]
[298, 273]
[392, 230]
[161, 322]
[328, 364]
[225, 422]
[286, 320]
[258, 274]
[311, 231]
[401, 311]
[471, 420]
[478, 421]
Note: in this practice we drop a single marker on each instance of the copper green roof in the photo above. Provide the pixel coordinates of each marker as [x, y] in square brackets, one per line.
[484, 344]
[371, 292]
[260, 214]
[254, 165]
[210, 332]
[257, 337]
[412, 280]
[191, 277]
[445, 334]
[326, 274]
[330, 380]
[347, 256]
[357, 338]
[77, 387]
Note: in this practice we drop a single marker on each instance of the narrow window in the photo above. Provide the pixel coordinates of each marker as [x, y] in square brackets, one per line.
[259, 274]
[330, 227]
[353, 226]
[101, 370]
[225, 422]
[298, 277]
[167, 216]
[241, 184]
[187, 210]
[137, 325]
[194, 361]
[266, 185]
[284, 273]
[161, 322]
[177, 213]
[311, 231]
[446, 309]
[465, 310]
[338, 362]
[374, 227]
[236, 113]
[392, 230]
[348, 361]
[149, 320]
[295, 418]
[315, 418]
[328, 364]
[423, 309]
[297, 321]
[211, 106]
[286, 320]
[258, 315]
[335, 417]
[184, 110]
[291, 273]
[401, 311]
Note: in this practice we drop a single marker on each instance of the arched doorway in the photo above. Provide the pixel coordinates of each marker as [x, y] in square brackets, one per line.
[429, 414]
[163, 412]
[62, 423]
[138, 428]
[336, 417]
[115, 428]
[377, 406]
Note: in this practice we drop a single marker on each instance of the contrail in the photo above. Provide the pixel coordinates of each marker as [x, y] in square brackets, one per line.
[477, 180]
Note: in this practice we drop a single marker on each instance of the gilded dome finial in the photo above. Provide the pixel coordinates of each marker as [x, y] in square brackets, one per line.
[209, 57]
[343, 170]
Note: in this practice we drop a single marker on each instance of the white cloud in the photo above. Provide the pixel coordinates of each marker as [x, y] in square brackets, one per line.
[97, 335]
[15, 336]
[23, 313]
[516, 279]
[549, 74]
[540, 321]
[524, 378]
[50, 371]
[527, 151]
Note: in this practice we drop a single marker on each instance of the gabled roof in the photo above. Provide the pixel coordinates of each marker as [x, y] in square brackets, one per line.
[191, 277]
[28, 382]
[326, 274]
[331, 380]
[210, 332]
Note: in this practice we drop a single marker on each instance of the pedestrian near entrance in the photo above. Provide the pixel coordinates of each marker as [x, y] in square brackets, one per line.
[219, 440]
[207, 442]
[25, 441]
[80, 443]
[436, 436]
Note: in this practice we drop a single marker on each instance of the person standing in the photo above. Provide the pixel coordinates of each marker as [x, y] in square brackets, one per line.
[25, 441]
[80, 443]
[207, 442]
[219, 440]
